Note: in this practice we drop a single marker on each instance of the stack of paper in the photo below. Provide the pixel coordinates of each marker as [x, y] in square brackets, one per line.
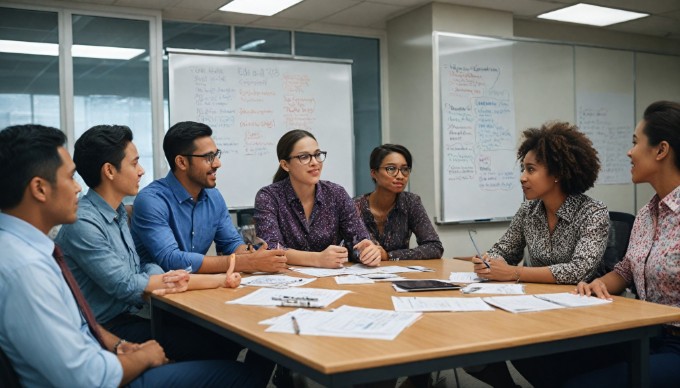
[464, 277]
[493, 288]
[276, 281]
[313, 297]
[541, 302]
[345, 321]
[425, 304]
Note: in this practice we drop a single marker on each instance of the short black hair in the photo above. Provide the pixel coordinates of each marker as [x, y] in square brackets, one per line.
[662, 123]
[27, 151]
[99, 145]
[380, 152]
[180, 139]
[568, 154]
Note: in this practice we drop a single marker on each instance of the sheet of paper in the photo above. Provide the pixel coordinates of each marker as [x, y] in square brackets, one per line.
[317, 297]
[424, 304]
[276, 281]
[353, 279]
[572, 300]
[351, 322]
[320, 272]
[464, 277]
[494, 288]
[521, 304]
[286, 317]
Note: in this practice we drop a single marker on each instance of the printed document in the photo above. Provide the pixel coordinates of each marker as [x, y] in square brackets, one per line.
[313, 297]
[493, 288]
[439, 304]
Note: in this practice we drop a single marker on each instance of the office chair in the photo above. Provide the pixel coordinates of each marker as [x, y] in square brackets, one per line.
[620, 225]
[8, 377]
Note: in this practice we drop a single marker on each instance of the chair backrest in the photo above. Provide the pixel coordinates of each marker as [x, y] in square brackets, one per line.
[8, 377]
[620, 225]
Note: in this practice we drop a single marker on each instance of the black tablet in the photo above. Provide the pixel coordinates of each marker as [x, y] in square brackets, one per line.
[425, 285]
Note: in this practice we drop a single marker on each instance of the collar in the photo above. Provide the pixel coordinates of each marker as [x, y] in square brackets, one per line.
[567, 210]
[27, 233]
[290, 195]
[109, 214]
[672, 200]
[181, 194]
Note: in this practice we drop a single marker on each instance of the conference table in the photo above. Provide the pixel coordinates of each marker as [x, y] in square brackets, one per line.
[437, 341]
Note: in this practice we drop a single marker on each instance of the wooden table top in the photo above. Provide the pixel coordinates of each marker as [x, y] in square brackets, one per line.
[434, 335]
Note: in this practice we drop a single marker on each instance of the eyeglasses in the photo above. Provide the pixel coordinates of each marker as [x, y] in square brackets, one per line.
[305, 158]
[209, 157]
[393, 170]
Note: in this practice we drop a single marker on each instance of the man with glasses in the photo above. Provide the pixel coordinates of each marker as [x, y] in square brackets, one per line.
[177, 218]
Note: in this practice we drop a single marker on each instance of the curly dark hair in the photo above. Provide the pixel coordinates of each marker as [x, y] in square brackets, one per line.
[567, 152]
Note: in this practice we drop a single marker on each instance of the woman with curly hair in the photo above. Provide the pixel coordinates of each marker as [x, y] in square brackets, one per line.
[564, 230]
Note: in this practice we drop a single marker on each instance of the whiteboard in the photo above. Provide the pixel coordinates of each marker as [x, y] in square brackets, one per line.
[251, 101]
[478, 129]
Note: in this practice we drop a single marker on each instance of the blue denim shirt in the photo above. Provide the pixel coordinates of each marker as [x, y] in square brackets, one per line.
[101, 254]
[41, 329]
[175, 230]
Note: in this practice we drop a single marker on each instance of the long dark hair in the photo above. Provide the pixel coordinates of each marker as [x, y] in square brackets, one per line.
[285, 147]
[662, 122]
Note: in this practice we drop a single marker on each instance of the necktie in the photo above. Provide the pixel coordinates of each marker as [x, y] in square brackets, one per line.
[80, 299]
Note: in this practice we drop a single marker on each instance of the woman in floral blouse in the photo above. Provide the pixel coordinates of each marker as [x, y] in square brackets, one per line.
[564, 230]
[652, 261]
[391, 214]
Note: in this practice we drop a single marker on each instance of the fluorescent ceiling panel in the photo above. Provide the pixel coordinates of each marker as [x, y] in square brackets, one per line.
[259, 7]
[592, 14]
[78, 50]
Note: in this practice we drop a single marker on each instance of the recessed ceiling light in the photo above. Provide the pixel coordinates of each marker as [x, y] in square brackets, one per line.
[258, 7]
[592, 14]
[79, 50]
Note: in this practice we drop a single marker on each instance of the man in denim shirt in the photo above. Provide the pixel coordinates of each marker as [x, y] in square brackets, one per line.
[101, 254]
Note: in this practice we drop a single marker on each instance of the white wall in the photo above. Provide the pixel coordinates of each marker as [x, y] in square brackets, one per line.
[413, 93]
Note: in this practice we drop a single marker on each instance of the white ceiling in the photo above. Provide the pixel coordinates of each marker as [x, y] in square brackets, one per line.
[315, 14]
[374, 14]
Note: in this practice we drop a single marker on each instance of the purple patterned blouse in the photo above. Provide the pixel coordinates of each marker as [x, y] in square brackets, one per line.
[652, 260]
[280, 218]
[406, 217]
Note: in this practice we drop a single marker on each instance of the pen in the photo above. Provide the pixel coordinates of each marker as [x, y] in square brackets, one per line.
[479, 254]
[296, 326]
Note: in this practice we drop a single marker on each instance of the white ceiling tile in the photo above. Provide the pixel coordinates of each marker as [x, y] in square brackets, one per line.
[151, 4]
[231, 18]
[185, 13]
[282, 23]
[517, 7]
[202, 4]
[652, 25]
[402, 3]
[364, 14]
[314, 10]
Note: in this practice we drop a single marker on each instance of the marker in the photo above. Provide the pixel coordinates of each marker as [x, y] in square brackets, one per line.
[296, 326]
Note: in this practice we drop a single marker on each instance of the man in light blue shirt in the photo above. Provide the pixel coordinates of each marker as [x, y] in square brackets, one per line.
[42, 331]
[177, 218]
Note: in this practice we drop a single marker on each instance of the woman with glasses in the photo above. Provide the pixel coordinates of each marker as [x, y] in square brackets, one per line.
[314, 220]
[391, 214]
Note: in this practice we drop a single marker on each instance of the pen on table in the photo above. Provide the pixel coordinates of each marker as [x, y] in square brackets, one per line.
[296, 326]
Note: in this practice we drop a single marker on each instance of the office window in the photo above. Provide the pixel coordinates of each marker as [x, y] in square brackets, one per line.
[365, 52]
[260, 40]
[29, 83]
[111, 86]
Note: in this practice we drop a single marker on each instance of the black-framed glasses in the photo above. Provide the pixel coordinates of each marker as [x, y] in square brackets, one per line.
[305, 158]
[209, 157]
[393, 170]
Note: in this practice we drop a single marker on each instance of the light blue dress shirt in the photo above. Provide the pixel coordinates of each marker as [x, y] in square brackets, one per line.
[175, 230]
[41, 329]
[101, 254]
